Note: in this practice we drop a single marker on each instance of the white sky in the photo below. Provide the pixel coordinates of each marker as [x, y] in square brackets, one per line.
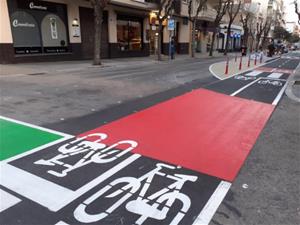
[290, 15]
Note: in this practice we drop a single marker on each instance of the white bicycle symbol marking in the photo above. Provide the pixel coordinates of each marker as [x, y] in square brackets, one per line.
[141, 205]
[274, 83]
[95, 152]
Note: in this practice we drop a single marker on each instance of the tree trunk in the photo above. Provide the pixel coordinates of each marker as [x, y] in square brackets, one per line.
[193, 37]
[160, 27]
[227, 39]
[98, 14]
[251, 44]
[246, 37]
[212, 44]
[257, 42]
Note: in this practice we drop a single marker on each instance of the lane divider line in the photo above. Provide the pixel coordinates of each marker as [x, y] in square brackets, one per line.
[246, 86]
[278, 97]
[213, 204]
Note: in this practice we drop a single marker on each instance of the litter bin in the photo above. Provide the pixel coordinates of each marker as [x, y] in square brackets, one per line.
[244, 50]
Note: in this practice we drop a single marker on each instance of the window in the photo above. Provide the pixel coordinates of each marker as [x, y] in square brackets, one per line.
[129, 34]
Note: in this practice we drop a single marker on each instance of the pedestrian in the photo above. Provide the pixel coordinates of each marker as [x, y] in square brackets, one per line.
[172, 48]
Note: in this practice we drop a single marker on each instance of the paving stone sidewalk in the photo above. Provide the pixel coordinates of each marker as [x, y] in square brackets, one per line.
[69, 66]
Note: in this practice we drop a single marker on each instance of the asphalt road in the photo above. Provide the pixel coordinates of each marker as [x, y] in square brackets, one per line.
[52, 97]
[266, 190]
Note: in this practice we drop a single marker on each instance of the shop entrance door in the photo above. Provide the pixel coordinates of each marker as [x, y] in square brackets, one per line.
[87, 33]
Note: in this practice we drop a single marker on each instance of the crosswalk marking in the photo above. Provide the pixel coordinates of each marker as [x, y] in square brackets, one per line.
[275, 75]
[254, 73]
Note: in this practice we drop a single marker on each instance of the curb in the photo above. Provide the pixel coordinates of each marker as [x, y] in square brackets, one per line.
[232, 75]
[291, 82]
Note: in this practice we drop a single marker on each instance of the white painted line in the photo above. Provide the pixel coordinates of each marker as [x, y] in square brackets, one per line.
[37, 189]
[61, 223]
[213, 204]
[267, 78]
[275, 75]
[278, 97]
[213, 73]
[34, 126]
[7, 200]
[46, 193]
[246, 86]
[94, 183]
[254, 73]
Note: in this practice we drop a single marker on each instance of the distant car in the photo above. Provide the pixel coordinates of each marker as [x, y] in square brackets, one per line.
[285, 50]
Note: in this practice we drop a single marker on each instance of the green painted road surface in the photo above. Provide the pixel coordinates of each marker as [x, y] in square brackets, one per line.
[17, 138]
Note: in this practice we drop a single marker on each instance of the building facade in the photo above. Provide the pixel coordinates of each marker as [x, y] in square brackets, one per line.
[37, 30]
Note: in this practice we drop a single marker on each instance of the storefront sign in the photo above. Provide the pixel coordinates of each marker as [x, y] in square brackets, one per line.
[16, 23]
[39, 7]
[38, 27]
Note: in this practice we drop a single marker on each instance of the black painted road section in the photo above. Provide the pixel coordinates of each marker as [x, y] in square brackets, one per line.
[130, 189]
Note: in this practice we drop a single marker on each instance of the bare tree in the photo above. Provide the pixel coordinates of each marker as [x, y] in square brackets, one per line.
[252, 32]
[245, 23]
[232, 12]
[266, 32]
[297, 10]
[221, 9]
[261, 27]
[98, 6]
[199, 5]
[164, 9]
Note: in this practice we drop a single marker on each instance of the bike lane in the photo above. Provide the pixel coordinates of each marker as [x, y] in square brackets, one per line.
[95, 182]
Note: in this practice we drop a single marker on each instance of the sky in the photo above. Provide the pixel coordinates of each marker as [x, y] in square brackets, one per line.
[290, 16]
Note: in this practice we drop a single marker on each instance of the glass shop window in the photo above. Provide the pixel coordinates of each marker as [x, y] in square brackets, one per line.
[129, 35]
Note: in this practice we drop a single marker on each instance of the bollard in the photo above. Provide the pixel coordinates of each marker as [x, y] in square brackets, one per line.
[235, 58]
[255, 60]
[249, 60]
[241, 61]
[227, 66]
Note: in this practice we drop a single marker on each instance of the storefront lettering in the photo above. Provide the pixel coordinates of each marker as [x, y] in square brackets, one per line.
[26, 24]
[39, 7]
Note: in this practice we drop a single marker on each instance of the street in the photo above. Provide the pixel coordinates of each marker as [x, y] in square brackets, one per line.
[151, 143]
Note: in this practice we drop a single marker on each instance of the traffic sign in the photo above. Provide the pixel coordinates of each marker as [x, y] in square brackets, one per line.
[171, 24]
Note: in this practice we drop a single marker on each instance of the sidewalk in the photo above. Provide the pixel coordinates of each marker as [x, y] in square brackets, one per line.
[69, 66]
[218, 69]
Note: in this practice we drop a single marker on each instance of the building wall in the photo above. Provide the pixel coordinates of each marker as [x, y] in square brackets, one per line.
[75, 41]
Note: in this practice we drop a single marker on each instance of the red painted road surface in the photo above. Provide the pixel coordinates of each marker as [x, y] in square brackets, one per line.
[202, 130]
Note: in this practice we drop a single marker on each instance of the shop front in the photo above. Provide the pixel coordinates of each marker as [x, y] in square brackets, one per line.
[235, 37]
[36, 30]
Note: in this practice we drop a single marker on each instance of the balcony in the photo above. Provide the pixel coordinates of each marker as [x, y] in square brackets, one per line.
[208, 15]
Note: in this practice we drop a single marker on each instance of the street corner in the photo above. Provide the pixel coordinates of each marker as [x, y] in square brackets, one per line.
[236, 64]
